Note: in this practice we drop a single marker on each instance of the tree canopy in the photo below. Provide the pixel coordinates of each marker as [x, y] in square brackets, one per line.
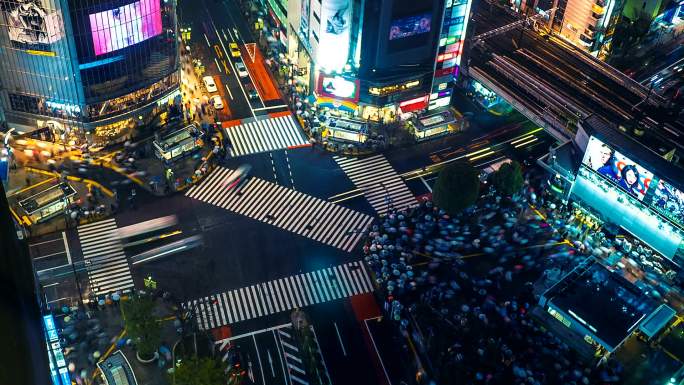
[508, 179]
[141, 324]
[457, 187]
[201, 371]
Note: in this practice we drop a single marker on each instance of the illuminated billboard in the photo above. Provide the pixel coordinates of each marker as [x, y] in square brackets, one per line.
[627, 194]
[124, 26]
[333, 48]
[617, 168]
[410, 26]
[31, 25]
[451, 39]
[669, 202]
[338, 87]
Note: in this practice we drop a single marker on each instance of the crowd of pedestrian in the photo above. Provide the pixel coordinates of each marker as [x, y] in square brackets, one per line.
[462, 287]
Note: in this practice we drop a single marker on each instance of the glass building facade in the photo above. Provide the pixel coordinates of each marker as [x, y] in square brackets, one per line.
[86, 69]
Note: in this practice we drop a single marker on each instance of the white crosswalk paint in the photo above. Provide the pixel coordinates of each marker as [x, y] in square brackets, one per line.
[285, 208]
[380, 183]
[106, 263]
[265, 135]
[284, 294]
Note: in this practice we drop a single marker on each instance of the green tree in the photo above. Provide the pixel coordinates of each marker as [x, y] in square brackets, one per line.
[200, 371]
[457, 187]
[508, 179]
[141, 324]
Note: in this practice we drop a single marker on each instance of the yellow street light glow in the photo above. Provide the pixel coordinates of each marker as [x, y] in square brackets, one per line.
[483, 155]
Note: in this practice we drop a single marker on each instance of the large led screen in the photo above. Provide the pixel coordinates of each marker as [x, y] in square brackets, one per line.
[410, 26]
[124, 26]
[336, 86]
[669, 201]
[617, 168]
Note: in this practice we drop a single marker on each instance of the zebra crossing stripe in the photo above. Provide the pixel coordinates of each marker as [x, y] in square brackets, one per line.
[106, 264]
[265, 135]
[380, 183]
[285, 208]
[281, 294]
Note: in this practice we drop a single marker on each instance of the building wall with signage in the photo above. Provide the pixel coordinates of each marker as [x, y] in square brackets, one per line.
[36, 63]
[80, 62]
[634, 197]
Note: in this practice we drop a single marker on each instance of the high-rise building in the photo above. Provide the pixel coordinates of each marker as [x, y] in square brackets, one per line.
[86, 69]
[373, 59]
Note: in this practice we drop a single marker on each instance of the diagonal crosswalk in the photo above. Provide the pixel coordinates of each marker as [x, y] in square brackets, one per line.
[380, 183]
[284, 208]
[106, 263]
[281, 295]
[265, 135]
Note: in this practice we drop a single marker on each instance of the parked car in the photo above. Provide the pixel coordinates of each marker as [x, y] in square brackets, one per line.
[234, 50]
[251, 92]
[241, 69]
[209, 84]
[218, 103]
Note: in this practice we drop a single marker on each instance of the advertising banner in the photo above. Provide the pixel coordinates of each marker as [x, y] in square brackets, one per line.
[338, 87]
[335, 34]
[304, 20]
[617, 168]
[124, 26]
[410, 26]
[31, 25]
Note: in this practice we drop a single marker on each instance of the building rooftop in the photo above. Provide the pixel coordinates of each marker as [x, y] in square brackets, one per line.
[604, 303]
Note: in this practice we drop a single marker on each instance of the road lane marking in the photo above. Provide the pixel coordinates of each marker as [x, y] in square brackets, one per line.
[270, 362]
[339, 338]
[261, 367]
[44, 242]
[66, 247]
[376, 350]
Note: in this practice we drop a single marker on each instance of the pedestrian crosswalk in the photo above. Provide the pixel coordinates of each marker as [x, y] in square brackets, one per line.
[106, 263]
[284, 208]
[380, 183]
[280, 295]
[265, 135]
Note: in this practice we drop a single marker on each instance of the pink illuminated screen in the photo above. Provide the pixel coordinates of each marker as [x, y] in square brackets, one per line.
[124, 26]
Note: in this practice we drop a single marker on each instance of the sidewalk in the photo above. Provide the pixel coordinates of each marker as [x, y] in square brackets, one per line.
[90, 335]
[92, 200]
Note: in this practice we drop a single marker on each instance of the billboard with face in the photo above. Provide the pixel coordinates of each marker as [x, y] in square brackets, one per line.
[335, 34]
[31, 25]
[617, 168]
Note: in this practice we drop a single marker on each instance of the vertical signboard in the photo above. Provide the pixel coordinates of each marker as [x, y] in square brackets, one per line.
[333, 48]
[450, 51]
[304, 21]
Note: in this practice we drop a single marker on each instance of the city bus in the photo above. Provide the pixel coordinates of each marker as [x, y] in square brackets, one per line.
[148, 231]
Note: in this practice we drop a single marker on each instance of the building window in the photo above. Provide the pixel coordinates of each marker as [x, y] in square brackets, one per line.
[314, 35]
[318, 19]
